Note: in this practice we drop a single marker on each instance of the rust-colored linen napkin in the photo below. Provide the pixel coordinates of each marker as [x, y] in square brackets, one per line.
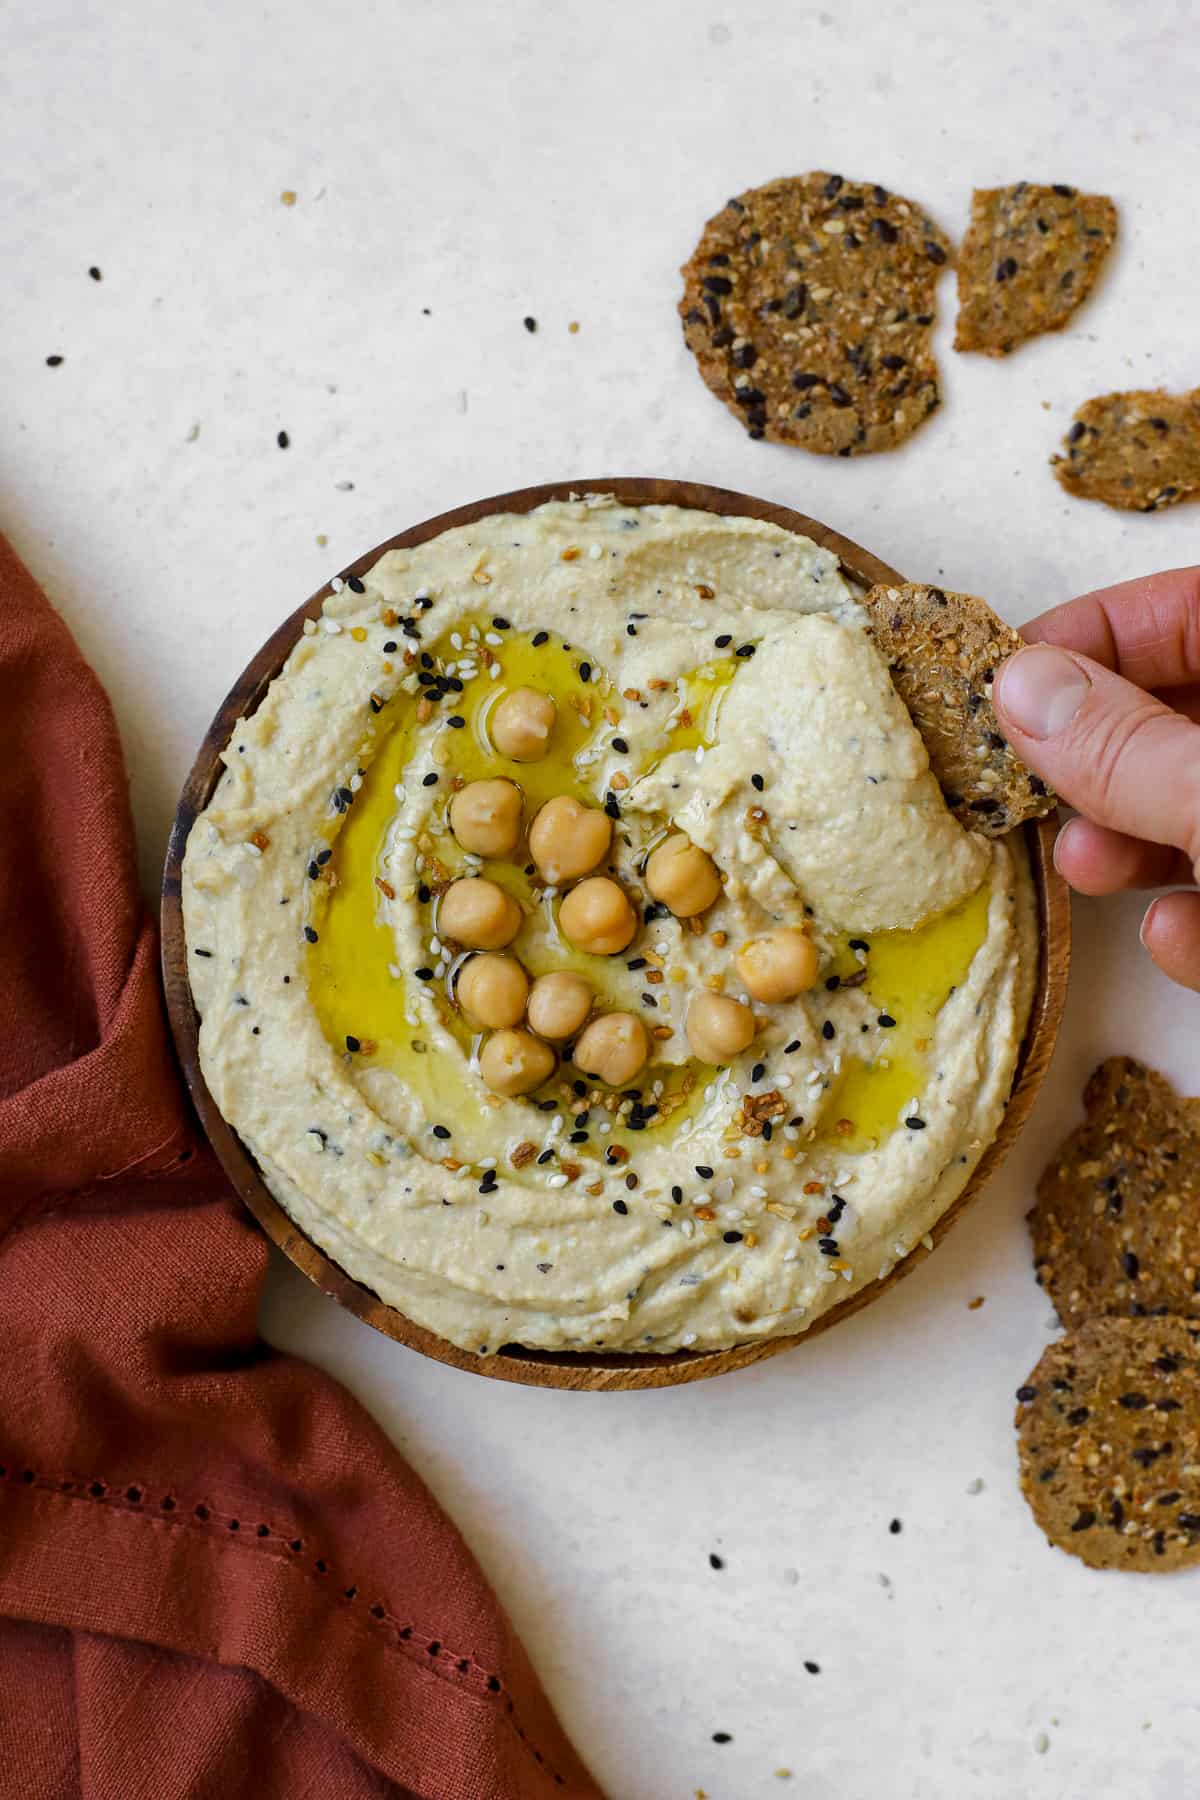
[217, 1578]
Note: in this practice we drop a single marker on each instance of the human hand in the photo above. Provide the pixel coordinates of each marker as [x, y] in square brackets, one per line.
[1105, 705]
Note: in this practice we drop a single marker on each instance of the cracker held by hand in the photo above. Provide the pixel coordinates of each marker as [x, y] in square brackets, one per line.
[808, 305]
[943, 650]
[1116, 1226]
[1030, 256]
[1139, 451]
[1108, 1432]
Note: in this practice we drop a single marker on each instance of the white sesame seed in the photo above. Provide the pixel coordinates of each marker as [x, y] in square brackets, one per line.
[398, 791]
[699, 753]
[847, 1274]
[556, 1127]
[435, 945]
[595, 551]
[395, 971]
[826, 1276]
[790, 1256]
[310, 628]
[689, 1337]
[791, 1133]
[492, 637]
[355, 782]
[927, 1240]
[724, 1188]
[494, 671]
[332, 627]
[456, 639]
[758, 1193]
[662, 947]
[783, 1081]
[704, 1199]
[251, 849]
[556, 1181]
[337, 584]
[405, 834]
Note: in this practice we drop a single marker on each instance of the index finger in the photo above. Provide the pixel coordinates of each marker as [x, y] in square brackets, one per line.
[1147, 630]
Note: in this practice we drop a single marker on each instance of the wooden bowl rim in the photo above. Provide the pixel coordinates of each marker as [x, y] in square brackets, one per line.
[547, 1368]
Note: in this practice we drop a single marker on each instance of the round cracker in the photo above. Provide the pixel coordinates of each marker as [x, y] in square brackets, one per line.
[1108, 1429]
[808, 305]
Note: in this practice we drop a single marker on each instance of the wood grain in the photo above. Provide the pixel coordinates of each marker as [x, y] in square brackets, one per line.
[565, 1369]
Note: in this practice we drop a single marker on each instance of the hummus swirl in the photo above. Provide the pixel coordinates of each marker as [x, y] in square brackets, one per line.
[713, 677]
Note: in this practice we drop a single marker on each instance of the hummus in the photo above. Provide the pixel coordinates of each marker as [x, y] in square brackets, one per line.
[712, 676]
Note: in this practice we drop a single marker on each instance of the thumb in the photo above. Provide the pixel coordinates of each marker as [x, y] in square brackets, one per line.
[1115, 752]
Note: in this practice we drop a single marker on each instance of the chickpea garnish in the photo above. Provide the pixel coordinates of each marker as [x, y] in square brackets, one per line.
[522, 723]
[778, 965]
[478, 913]
[559, 1003]
[515, 1062]
[683, 876]
[718, 1028]
[492, 990]
[485, 817]
[613, 1049]
[597, 916]
[567, 839]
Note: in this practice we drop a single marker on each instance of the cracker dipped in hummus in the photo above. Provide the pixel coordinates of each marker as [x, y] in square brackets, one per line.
[584, 949]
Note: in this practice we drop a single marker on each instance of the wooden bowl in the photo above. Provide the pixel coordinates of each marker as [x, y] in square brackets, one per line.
[547, 1368]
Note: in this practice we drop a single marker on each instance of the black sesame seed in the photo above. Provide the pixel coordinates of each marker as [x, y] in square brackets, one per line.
[715, 1561]
[530, 322]
[722, 1737]
[746, 649]
[499, 624]
[611, 807]
[355, 585]
[540, 638]
[585, 671]
[429, 780]
[833, 982]
[1026, 1393]
[934, 252]
[859, 944]
[577, 1137]
[313, 871]
[456, 721]
[619, 1206]
[425, 973]
[886, 1020]
[1130, 1264]
[441, 1131]
[731, 1237]
[545, 1157]
[895, 1528]
[812, 1667]
[424, 894]
[352, 1043]
[283, 440]
[703, 1171]
[758, 1071]
[631, 1181]
[310, 934]
[677, 1195]
[914, 1123]
[54, 362]
[1006, 269]
[827, 1029]
[620, 746]
[757, 783]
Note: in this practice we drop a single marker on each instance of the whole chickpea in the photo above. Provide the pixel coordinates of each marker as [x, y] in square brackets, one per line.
[683, 876]
[485, 817]
[613, 1049]
[515, 1062]
[718, 1028]
[478, 913]
[597, 916]
[778, 965]
[521, 725]
[559, 1003]
[492, 990]
[567, 838]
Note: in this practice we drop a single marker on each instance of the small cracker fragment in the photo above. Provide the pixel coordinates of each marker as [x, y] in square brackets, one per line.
[942, 651]
[1108, 1434]
[1030, 256]
[1116, 1225]
[808, 304]
[1139, 451]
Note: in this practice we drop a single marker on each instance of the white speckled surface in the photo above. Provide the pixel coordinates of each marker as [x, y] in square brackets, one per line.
[558, 160]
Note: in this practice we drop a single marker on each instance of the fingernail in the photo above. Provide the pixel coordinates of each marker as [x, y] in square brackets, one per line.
[1060, 842]
[1041, 690]
[1147, 921]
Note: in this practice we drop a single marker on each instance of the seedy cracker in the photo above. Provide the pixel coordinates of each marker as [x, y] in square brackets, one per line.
[1116, 1225]
[1139, 450]
[1108, 1434]
[942, 650]
[808, 305]
[1030, 257]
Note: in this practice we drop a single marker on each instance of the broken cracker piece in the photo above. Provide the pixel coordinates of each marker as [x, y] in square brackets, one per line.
[1116, 1224]
[1030, 257]
[1139, 451]
[942, 650]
